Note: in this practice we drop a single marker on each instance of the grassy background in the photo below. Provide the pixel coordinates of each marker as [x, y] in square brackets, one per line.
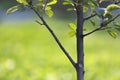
[28, 52]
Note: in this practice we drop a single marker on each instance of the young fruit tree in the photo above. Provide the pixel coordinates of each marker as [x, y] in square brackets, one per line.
[104, 10]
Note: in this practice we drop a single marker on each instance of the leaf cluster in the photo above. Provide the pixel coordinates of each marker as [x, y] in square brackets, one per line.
[43, 6]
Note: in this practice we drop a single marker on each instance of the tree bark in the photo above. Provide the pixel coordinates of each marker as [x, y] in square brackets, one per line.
[80, 43]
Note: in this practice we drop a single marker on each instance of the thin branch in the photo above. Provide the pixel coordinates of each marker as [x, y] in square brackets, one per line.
[54, 36]
[112, 19]
[89, 17]
[99, 28]
[92, 15]
[38, 22]
[45, 4]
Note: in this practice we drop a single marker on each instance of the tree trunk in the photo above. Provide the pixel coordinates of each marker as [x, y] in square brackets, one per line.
[80, 43]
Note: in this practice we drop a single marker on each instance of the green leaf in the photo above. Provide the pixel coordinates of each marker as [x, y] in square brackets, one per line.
[94, 2]
[72, 26]
[72, 33]
[13, 9]
[85, 9]
[112, 33]
[92, 22]
[112, 7]
[48, 11]
[67, 3]
[70, 9]
[52, 2]
[24, 2]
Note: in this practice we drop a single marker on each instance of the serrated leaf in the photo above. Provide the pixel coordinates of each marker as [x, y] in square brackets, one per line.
[112, 7]
[24, 2]
[92, 22]
[13, 9]
[72, 26]
[112, 33]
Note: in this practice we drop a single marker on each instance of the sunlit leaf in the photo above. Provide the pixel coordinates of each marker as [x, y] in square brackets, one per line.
[48, 11]
[24, 2]
[13, 9]
[52, 2]
[70, 9]
[67, 2]
[72, 26]
[72, 33]
[85, 9]
[94, 2]
[112, 33]
[112, 7]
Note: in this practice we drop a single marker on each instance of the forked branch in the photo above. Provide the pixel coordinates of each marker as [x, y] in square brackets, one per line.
[54, 36]
[99, 28]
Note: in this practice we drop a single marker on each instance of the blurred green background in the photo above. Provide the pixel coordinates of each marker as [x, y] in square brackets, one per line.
[29, 52]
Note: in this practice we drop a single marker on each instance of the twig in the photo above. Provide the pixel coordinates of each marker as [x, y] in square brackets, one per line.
[55, 37]
[92, 15]
[112, 19]
[45, 4]
[38, 22]
[99, 28]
